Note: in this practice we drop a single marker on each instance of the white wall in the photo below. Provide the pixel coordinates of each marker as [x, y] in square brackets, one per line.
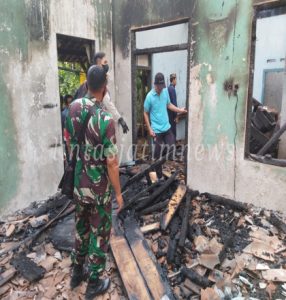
[31, 86]
[164, 36]
[270, 44]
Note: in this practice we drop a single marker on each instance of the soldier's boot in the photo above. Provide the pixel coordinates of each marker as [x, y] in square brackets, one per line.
[77, 276]
[96, 287]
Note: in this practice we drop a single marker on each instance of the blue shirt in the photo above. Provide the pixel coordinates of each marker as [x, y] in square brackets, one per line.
[156, 106]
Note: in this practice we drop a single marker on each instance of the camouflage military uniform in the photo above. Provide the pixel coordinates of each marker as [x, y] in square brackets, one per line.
[92, 190]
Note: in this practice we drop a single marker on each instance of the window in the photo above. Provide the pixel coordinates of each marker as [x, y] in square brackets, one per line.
[266, 139]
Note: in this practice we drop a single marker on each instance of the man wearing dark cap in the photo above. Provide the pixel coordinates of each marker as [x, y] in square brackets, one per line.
[156, 107]
[96, 172]
[173, 99]
[101, 60]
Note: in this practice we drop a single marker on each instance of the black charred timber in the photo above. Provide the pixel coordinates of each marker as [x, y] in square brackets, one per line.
[52, 204]
[27, 268]
[174, 238]
[154, 208]
[133, 200]
[157, 192]
[193, 231]
[277, 222]
[196, 278]
[227, 243]
[143, 173]
[172, 249]
[185, 222]
[227, 202]
[274, 139]
[174, 227]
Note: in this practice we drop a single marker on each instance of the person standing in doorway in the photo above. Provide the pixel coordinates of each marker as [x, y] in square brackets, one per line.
[156, 107]
[100, 59]
[96, 172]
[173, 99]
[66, 102]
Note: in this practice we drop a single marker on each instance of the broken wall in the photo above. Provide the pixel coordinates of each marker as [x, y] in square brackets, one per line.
[220, 63]
[31, 153]
[217, 118]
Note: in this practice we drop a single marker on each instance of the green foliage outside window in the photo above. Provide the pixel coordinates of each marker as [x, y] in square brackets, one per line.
[69, 78]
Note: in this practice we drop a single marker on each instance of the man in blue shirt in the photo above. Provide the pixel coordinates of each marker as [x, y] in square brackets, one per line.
[173, 98]
[156, 107]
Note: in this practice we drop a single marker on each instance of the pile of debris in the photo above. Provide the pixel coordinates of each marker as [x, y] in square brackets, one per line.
[265, 133]
[169, 242]
[180, 244]
[35, 255]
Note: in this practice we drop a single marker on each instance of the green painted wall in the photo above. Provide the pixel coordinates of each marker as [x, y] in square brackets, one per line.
[222, 36]
[13, 49]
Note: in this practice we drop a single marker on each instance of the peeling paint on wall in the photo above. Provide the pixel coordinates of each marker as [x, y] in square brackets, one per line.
[14, 47]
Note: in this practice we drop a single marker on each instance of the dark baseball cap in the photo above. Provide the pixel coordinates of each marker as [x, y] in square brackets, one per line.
[159, 79]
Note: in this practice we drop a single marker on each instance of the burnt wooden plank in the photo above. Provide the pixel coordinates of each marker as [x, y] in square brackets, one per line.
[173, 205]
[27, 268]
[196, 278]
[185, 222]
[130, 274]
[143, 173]
[150, 228]
[274, 139]
[7, 275]
[157, 192]
[151, 271]
[133, 200]
[154, 208]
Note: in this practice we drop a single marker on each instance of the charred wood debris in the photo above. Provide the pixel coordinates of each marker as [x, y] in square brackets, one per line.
[265, 133]
[184, 245]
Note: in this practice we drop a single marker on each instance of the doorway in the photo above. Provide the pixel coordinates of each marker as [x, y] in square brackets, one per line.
[156, 49]
[74, 58]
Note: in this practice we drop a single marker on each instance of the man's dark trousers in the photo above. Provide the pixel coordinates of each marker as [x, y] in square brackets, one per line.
[164, 143]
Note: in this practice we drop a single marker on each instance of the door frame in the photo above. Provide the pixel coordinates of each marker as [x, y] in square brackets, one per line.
[150, 51]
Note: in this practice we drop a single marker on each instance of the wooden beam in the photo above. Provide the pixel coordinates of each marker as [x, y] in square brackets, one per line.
[151, 271]
[143, 173]
[153, 208]
[150, 227]
[158, 192]
[185, 222]
[130, 274]
[274, 139]
[173, 205]
[7, 275]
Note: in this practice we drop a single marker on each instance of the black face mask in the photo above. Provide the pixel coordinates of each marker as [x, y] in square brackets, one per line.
[105, 68]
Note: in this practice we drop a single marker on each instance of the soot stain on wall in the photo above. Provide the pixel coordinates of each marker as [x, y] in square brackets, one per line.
[135, 13]
[38, 19]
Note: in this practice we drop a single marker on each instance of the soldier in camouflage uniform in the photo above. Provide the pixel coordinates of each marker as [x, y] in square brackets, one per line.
[96, 172]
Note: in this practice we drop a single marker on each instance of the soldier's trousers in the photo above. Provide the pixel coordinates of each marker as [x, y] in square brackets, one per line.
[92, 232]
